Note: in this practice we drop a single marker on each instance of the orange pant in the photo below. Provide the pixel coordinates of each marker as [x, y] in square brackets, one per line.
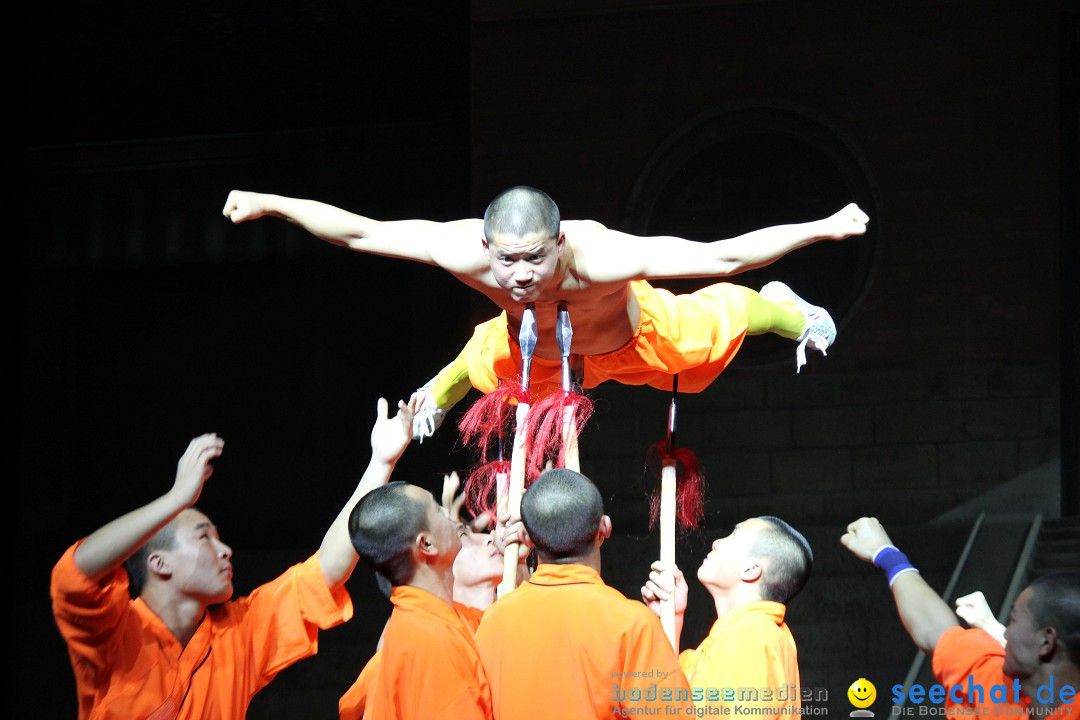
[694, 335]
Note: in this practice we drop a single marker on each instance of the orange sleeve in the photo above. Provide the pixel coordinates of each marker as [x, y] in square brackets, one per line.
[352, 704]
[87, 613]
[649, 650]
[283, 618]
[960, 653]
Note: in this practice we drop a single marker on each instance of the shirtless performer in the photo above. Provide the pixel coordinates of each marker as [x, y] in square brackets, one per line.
[628, 331]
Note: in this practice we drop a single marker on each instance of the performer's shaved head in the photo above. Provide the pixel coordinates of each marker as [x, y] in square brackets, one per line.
[562, 512]
[521, 211]
[1055, 602]
[789, 556]
[383, 526]
[163, 539]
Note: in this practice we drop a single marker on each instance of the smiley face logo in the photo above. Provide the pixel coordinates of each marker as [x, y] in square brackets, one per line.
[862, 693]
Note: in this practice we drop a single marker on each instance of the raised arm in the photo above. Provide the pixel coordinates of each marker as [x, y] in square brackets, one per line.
[976, 612]
[389, 438]
[924, 614]
[454, 246]
[671, 257]
[110, 545]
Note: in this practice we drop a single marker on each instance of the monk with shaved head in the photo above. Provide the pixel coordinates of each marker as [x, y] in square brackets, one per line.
[563, 633]
[751, 574]
[183, 647]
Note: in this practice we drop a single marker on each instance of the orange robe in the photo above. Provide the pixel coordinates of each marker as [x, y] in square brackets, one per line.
[352, 704]
[1066, 711]
[128, 664]
[565, 645]
[972, 656]
[694, 335]
[748, 660]
[429, 667]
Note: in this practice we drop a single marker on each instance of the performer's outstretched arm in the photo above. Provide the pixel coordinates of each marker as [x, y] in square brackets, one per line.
[389, 438]
[924, 614]
[671, 257]
[454, 246]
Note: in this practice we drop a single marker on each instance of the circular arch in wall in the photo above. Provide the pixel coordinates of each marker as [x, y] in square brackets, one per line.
[751, 166]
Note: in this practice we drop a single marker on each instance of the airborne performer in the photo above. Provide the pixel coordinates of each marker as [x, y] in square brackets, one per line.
[523, 254]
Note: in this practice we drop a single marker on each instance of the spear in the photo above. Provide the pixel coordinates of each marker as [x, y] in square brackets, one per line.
[667, 518]
[527, 342]
[502, 482]
[564, 332]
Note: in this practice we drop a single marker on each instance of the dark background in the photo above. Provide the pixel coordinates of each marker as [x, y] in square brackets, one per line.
[145, 318]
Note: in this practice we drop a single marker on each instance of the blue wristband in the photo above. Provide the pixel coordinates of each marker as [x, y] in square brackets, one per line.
[892, 562]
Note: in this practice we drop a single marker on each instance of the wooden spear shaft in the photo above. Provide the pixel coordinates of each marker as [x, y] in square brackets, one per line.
[667, 519]
[527, 342]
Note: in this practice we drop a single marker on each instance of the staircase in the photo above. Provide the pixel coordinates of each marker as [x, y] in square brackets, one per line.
[1057, 549]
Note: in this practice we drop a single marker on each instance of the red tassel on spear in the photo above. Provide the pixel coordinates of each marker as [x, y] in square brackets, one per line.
[486, 484]
[488, 421]
[681, 497]
[688, 506]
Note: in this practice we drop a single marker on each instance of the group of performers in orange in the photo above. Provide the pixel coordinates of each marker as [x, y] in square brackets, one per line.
[145, 602]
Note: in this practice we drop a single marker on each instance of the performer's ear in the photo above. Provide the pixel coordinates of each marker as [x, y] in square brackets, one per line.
[1048, 643]
[603, 530]
[560, 244]
[424, 546]
[752, 572]
[158, 564]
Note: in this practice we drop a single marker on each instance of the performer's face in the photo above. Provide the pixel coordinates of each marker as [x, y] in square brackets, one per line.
[199, 563]
[524, 265]
[479, 560]
[731, 559]
[442, 533]
[1023, 639]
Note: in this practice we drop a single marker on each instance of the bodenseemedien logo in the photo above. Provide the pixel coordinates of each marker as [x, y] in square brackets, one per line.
[862, 694]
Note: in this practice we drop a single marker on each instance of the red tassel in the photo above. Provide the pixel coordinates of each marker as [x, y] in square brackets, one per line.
[545, 441]
[481, 487]
[689, 486]
[490, 416]
[489, 419]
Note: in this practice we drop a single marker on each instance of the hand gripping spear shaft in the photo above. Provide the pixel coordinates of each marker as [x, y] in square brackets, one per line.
[527, 342]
